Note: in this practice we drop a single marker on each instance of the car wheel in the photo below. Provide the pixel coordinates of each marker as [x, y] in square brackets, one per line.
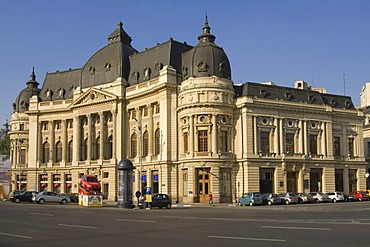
[317, 200]
[269, 203]
[239, 203]
[334, 200]
[41, 201]
[17, 200]
[300, 201]
[168, 206]
[287, 202]
[251, 204]
[359, 199]
[64, 202]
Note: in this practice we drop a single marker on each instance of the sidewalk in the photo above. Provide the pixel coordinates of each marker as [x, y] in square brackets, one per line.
[178, 205]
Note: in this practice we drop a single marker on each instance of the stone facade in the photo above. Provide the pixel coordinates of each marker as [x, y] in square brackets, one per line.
[185, 126]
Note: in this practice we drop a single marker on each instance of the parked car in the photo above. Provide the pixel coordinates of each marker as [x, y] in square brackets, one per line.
[304, 198]
[270, 199]
[49, 196]
[360, 195]
[90, 183]
[251, 199]
[320, 197]
[349, 198]
[289, 198]
[25, 196]
[72, 196]
[336, 196]
[158, 201]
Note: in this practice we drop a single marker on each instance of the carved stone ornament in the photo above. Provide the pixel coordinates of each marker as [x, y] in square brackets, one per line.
[202, 67]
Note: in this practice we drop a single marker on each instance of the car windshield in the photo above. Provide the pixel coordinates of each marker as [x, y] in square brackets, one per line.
[91, 179]
[291, 194]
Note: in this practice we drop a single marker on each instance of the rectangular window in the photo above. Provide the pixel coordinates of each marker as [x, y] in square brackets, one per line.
[336, 146]
[223, 141]
[264, 142]
[313, 144]
[185, 182]
[368, 149]
[289, 143]
[186, 142]
[105, 174]
[203, 141]
[351, 152]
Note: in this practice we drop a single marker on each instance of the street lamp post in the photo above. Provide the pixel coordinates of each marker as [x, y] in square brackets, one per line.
[140, 154]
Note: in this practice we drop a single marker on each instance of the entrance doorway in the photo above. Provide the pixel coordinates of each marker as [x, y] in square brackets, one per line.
[203, 187]
[292, 182]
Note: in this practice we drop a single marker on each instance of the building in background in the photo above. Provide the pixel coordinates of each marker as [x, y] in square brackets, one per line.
[174, 111]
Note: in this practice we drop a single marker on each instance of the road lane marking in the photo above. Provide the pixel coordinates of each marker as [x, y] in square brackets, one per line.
[297, 228]
[41, 214]
[141, 221]
[77, 226]
[253, 239]
[299, 221]
[14, 235]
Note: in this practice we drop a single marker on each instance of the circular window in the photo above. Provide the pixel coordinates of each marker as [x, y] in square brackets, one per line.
[202, 119]
[264, 121]
[223, 119]
[290, 123]
[313, 125]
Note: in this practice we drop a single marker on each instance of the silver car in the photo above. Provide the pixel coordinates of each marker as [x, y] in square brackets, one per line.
[49, 196]
[320, 197]
[304, 198]
[336, 196]
[289, 198]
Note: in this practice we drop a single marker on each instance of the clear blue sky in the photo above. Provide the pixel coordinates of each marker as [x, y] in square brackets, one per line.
[277, 40]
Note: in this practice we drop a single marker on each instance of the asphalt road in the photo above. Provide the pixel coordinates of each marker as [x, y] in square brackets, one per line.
[327, 224]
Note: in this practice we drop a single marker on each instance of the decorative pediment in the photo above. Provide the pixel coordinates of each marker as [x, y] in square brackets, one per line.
[93, 96]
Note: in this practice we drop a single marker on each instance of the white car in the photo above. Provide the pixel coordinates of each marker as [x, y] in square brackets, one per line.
[336, 196]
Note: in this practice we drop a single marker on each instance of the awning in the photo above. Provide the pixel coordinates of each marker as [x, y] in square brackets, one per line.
[56, 185]
[69, 185]
[43, 184]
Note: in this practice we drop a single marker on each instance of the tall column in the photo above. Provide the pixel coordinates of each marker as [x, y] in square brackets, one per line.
[281, 136]
[344, 143]
[114, 151]
[300, 137]
[64, 140]
[214, 135]
[102, 135]
[276, 137]
[89, 137]
[76, 139]
[150, 130]
[52, 141]
[305, 141]
[323, 140]
[191, 135]
[256, 134]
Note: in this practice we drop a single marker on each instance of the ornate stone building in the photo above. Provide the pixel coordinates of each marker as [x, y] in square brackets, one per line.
[174, 111]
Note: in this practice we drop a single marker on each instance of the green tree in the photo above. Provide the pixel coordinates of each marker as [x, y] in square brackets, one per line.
[5, 145]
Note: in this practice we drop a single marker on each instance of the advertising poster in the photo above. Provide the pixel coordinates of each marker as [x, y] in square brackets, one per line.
[5, 176]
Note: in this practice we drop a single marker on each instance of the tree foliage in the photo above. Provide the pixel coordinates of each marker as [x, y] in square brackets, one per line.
[5, 145]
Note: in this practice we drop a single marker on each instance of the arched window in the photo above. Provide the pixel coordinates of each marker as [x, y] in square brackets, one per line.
[145, 143]
[133, 145]
[70, 151]
[97, 149]
[157, 142]
[45, 152]
[58, 152]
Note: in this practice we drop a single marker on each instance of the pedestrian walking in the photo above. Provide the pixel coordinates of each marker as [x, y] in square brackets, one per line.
[210, 199]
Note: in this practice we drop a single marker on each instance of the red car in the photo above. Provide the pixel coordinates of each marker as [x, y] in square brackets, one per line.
[359, 195]
[90, 183]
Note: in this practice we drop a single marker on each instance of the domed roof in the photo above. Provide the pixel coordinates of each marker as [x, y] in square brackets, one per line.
[22, 101]
[207, 58]
[110, 62]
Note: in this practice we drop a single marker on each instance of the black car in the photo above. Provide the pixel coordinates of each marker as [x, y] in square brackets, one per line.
[158, 201]
[349, 198]
[25, 196]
